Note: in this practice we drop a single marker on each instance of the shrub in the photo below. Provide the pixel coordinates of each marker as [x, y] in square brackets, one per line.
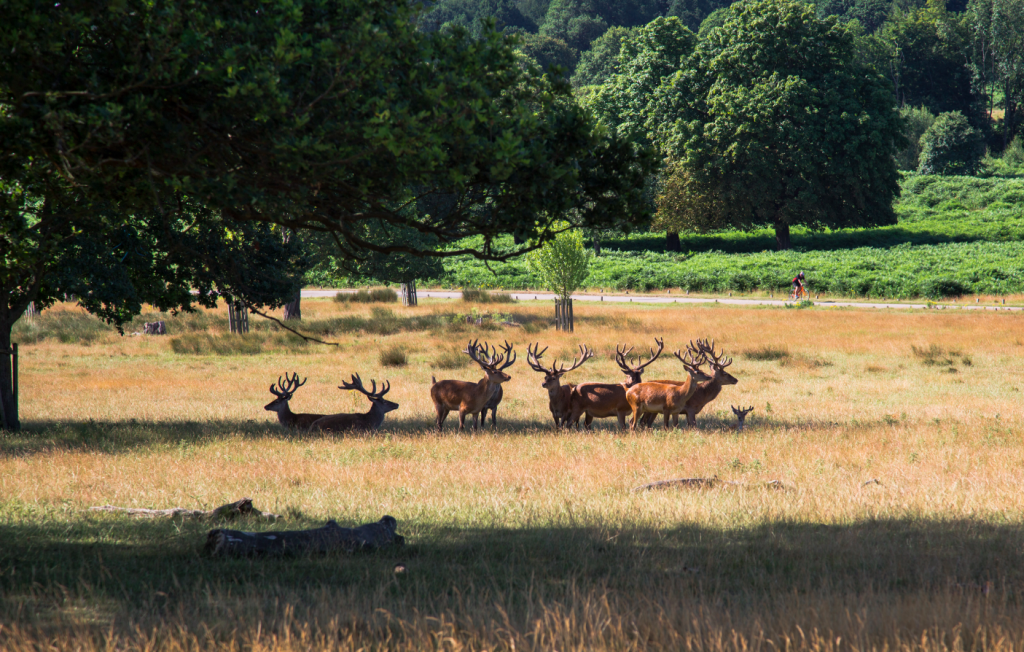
[377, 295]
[451, 359]
[937, 288]
[394, 356]
[204, 344]
[950, 146]
[383, 321]
[917, 121]
[62, 325]
[767, 352]
[475, 295]
[502, 297]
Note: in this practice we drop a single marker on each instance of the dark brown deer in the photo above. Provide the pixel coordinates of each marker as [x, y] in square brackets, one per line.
[559, 396]
[603, 400]
[741, 416]
[371, 420]
[470, 398]
[284, 392]
[499, 393]
[706, 391]
[669, 398]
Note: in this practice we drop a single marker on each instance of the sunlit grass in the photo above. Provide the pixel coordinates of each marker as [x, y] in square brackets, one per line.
[900, 524]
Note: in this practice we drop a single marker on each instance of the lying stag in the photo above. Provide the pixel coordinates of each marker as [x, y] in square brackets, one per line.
[665, 398]
[284, 392]
[741, 416]
[603, 400]
[370, 420]
[467, 397]
[559, 396]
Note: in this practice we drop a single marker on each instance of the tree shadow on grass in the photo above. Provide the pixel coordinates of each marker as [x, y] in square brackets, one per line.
[150, 569]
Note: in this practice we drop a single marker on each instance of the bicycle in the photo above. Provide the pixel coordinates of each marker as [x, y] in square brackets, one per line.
[798, 292]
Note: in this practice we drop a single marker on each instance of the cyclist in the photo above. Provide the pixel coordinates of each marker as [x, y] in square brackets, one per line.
[798, 286]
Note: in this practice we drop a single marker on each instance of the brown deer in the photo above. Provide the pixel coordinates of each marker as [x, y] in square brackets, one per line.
[706, 391]
[371, 420]
[741, 415]
[492, 403]
[284, 392]
[666, 398]
[603, 400]
[467, 397]
[559, 396]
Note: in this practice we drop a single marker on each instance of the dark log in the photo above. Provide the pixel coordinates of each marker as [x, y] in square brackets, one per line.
[707, 483]
[239, 508]
[327, 539]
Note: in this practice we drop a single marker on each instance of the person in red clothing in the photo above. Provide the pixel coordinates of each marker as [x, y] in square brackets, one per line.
[798, 286]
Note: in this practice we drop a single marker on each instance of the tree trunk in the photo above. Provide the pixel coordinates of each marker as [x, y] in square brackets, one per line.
[8, 411]
[293, 310]
[782, 235]
[672, 242]
[329, 538]
[597, 245]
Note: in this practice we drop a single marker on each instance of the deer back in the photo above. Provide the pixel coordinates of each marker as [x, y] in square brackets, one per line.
[456, 394]
[600, 399]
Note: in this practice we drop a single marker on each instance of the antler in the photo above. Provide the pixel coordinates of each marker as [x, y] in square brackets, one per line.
[509, 356]
[494, 360]
[357, 384]
[691, 363]
[585, 354]
[620, 357]
[533, 358]
[714, 359]
[741, 413]
[288, 387]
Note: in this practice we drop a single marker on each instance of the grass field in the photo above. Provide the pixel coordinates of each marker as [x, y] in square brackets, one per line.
[897, 437]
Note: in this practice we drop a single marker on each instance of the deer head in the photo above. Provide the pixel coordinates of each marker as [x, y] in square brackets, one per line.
[634, 372]
[741, 415]
[377, 398]
[492, 362]
[284, 392]
[692, 365]
[553, 375]
[715, 360]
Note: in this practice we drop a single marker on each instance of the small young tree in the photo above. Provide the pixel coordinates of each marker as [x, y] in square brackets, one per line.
[951, 146]
[563, 264]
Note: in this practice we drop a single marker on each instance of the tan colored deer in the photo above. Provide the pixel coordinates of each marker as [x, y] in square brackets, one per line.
[741, 416]
[559, 396]
[371, 420]
[284, 392]
[603, 400]
[706, 391]
[467, 397]
[665, 398]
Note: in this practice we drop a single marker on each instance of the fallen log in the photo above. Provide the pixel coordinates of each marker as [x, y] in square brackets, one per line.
[239, 508]
[327, 539]
[706, 483]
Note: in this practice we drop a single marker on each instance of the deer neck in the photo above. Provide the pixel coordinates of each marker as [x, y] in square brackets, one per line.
[285, 415]
[375, 416]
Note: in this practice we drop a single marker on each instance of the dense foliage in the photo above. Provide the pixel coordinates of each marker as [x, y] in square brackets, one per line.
[950, 146]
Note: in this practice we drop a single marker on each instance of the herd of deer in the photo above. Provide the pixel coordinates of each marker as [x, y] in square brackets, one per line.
[642, 400]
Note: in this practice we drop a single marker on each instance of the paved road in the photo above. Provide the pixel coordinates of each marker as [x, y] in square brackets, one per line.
[669, 298]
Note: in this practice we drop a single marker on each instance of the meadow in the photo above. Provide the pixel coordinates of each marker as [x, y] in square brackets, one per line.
[879, 499]
[954, 236]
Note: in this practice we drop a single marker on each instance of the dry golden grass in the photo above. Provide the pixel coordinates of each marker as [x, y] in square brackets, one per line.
[529, 537]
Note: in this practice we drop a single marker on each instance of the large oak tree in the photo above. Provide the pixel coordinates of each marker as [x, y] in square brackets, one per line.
[334, 116]
[774, 121]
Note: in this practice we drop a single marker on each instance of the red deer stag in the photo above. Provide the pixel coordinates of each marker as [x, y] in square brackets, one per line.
[499, 393]
[741, 416]
[470, 398]
[559, 396]
[603, 400]
[668, 399]
[706, 391]
[371, 420]
[284, 393]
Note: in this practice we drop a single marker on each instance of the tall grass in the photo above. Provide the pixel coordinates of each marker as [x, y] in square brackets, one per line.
[900, 528]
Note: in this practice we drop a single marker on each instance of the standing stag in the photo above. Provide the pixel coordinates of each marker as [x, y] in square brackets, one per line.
[706, 391]
[559, 396]
[284, 392]
[371, 420]
[668, 399]
[470, 398]
[603, 400]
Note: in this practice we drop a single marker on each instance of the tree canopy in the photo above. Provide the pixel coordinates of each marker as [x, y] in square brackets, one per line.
[773, 120]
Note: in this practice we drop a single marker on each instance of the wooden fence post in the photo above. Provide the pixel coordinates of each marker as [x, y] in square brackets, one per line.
[570, 320]
[238, 317]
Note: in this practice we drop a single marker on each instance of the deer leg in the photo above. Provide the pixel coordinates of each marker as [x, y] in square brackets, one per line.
[494, 418]
[691, 418]
[462, 420]
[442, 414]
